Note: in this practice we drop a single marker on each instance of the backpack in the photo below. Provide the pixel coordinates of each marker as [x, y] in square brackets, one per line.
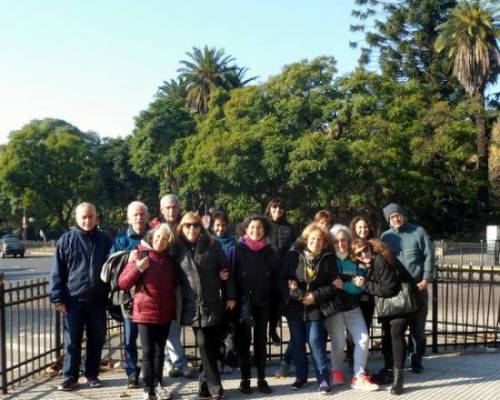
[119, 301]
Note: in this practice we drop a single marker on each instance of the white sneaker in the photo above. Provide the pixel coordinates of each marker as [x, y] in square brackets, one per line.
[163, 394]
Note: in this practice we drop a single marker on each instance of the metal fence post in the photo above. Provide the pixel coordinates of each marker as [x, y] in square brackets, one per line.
[3, 337]
[435, 313]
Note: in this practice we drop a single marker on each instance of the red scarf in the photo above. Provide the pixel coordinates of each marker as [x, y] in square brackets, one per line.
[254, 245]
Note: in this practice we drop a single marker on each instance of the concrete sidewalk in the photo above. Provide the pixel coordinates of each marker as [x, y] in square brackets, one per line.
[446, 376]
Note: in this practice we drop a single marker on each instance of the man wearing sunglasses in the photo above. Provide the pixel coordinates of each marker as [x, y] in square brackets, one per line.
[411, 244]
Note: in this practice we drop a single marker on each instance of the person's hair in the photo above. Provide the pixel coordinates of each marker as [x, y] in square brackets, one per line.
[273, 203]
[163, 228]
[256, 217]
[376, 246]
[134, 204]
[219, 215]
[355, 220]
[190, 216]
[338, 228]
[323, 214]
[85, 204]
[169, 198]
[312, 228]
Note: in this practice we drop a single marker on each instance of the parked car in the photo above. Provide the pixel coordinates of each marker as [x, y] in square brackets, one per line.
[10, 245]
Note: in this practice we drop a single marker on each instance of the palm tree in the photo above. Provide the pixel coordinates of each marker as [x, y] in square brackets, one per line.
[469, 37]
[207, 69]
[175, 89]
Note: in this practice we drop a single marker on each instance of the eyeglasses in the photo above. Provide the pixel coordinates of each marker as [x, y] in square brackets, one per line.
[194, 225]
[364, 250]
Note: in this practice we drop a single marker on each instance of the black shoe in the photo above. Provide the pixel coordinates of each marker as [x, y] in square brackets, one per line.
[397, 382]
[68, 384]
[416, 364]
[297, 385]
[384, 377]
[245, 386]
[417, 368]
[133, 382]
[263, 386]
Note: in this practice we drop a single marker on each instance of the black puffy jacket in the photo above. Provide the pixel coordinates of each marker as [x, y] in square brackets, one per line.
[281, 237]
[76, 267]
[326, 272]
[203, 293]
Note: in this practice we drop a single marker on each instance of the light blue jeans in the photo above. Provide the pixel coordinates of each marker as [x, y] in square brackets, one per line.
[355, 323]
[174, 351]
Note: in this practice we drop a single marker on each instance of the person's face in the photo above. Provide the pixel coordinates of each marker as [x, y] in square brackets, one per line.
[86, 218]
[363, 255]
[277, 212]
[396, 220]
[160, 241]
[315, 242]
[341, 242]
[137, 219]
[220, 227]
[191, 230]
[362, 229]
[255, 230]
[170, 212]
[325, 224]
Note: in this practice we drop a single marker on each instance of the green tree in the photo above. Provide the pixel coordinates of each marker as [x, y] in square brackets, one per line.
[48, 167]
[208, 69]
[469, 38]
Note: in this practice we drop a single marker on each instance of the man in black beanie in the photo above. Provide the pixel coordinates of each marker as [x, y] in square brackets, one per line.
[411, 244]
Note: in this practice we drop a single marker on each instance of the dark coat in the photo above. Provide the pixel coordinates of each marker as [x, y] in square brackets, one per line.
[383, 279]
[76, 267]
[281, 237]
[203, 293]
[154, 295]
[326, 272]
[255, 274]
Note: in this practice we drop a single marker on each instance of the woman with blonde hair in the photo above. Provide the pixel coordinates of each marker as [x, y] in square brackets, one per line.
[311, 266]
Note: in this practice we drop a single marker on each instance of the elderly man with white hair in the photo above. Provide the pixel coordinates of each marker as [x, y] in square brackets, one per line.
[137, 219]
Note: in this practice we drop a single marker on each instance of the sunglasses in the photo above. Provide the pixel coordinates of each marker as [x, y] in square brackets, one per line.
[194, 225]
[364, 250]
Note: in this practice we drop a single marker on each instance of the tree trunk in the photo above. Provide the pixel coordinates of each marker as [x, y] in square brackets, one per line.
[482, 167]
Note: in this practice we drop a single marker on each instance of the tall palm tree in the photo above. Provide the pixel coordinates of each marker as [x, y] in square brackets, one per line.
[207, 69]
[469, 38]
[175, 89]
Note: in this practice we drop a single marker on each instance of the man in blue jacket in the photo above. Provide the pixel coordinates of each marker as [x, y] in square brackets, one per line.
[79, 294]
[411, 244]
[137, 218]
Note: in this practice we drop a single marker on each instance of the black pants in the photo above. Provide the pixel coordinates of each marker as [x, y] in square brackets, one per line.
[244, 339]
[393, 341]
[209, 377]
[153, 338]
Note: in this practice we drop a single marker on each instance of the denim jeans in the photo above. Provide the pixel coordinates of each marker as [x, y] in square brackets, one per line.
[174, 352]
[312, 333]
[336, 325]
[417, 328]
[92, 318]
[130, 333]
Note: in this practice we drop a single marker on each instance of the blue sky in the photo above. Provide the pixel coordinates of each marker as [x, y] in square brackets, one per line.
[98, 63]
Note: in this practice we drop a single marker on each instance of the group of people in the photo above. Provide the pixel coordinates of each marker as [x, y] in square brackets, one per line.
[178, 272]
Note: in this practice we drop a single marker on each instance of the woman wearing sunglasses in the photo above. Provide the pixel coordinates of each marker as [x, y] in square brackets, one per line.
[384, 275]
[312, 268]
[206, 290]
[255, 276]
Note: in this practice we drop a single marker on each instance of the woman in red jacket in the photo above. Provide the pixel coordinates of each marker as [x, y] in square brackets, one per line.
[152, 272]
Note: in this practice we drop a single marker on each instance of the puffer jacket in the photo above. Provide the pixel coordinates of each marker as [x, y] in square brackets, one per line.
[281, 237]
[203, 293]
[76, 267]
[326, 273]
[154, 296]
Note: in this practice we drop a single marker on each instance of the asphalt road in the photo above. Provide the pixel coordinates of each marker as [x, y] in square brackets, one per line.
[30, 267]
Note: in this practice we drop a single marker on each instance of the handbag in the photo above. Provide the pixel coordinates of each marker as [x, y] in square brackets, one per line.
[404, 302]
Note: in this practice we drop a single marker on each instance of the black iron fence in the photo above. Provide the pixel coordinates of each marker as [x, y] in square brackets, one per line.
[464, 310]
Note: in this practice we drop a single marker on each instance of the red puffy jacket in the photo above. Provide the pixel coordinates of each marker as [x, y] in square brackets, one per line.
[154, 296]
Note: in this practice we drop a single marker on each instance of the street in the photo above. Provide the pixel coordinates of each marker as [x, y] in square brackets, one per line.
[30, 267]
